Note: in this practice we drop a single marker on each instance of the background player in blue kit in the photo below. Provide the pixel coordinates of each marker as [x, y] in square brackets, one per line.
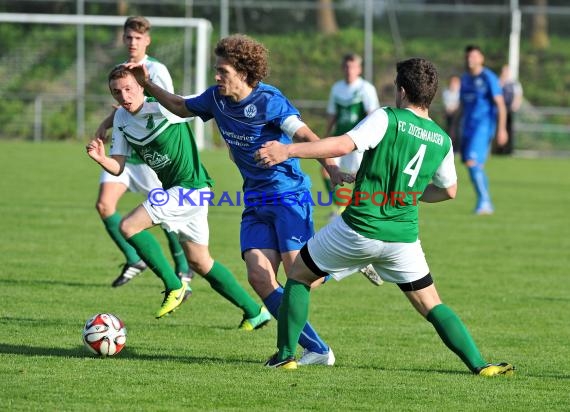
[483, 115]
[276, 223]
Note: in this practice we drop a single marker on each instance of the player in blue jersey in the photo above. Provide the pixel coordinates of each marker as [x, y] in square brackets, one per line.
[483, 115]
[276, 222]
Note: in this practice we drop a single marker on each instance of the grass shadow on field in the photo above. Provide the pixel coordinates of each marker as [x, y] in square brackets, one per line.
[518, 372]
[40, 351]
[81, 353]
[34, 321]
[32, 282]
[551, 299]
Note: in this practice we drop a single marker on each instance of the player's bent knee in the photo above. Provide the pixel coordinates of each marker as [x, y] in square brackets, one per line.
[104, 209]
[127, 229]
[200, 262]
[263, 282]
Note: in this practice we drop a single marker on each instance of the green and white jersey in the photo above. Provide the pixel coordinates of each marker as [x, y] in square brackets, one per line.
[403, 154]
[164, 141]
[350, 103]
[160, 75]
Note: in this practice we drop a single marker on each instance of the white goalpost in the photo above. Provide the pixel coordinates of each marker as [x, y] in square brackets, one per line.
[203, 29]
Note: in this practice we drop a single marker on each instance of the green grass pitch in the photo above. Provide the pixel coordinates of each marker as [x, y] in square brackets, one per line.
[506, 275]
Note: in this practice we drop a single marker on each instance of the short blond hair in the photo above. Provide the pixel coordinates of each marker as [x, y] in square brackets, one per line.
[137, 23]
[351, 57]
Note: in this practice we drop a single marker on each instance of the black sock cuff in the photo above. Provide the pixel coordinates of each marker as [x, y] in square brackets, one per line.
[416, 284]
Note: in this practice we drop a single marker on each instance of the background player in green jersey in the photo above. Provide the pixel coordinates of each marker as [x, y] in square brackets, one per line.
[166, 143]
[408, 158]
[137, 176]
[350, 100]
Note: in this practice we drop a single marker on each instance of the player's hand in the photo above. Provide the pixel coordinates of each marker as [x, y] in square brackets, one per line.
[140, 72]
[96, 150]
[339, 177]
[271, 153]
[502, 137]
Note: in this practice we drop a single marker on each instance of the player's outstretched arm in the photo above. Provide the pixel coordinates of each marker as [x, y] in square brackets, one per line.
[172, 102]
[272, 153]
[305, 134]
[434, 194]
[96, 151]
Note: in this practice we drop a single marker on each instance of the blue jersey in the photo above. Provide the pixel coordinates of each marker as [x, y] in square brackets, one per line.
[245, 126]
[477, 99]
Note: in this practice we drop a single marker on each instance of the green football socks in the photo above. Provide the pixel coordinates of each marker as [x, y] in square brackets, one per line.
[149, 249]
[224, 282]
[293, 315]
[180, 262]
[112, 226]
[455, 335]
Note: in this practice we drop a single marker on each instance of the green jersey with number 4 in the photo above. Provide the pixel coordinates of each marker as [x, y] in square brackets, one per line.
[396, 168]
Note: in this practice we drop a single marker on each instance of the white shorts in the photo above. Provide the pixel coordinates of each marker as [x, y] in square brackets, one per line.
[350, 163]
[138, 178]
[187, 218]
[340, 251]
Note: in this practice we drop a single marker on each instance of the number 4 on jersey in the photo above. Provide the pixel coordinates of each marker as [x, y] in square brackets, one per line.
[414, 165]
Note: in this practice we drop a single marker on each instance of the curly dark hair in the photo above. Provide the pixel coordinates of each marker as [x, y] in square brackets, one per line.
[245, 55]
[419, 79]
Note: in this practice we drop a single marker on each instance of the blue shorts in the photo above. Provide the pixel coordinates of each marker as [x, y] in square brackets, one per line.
[282, 226]
[476, 146]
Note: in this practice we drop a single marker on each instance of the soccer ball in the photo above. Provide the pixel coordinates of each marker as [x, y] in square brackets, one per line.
[104, 334]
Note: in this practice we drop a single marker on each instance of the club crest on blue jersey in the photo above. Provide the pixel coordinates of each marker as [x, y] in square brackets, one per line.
[250, 111]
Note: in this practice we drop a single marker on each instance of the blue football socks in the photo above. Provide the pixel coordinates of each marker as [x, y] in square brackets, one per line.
[481, 184]
[309, 338]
